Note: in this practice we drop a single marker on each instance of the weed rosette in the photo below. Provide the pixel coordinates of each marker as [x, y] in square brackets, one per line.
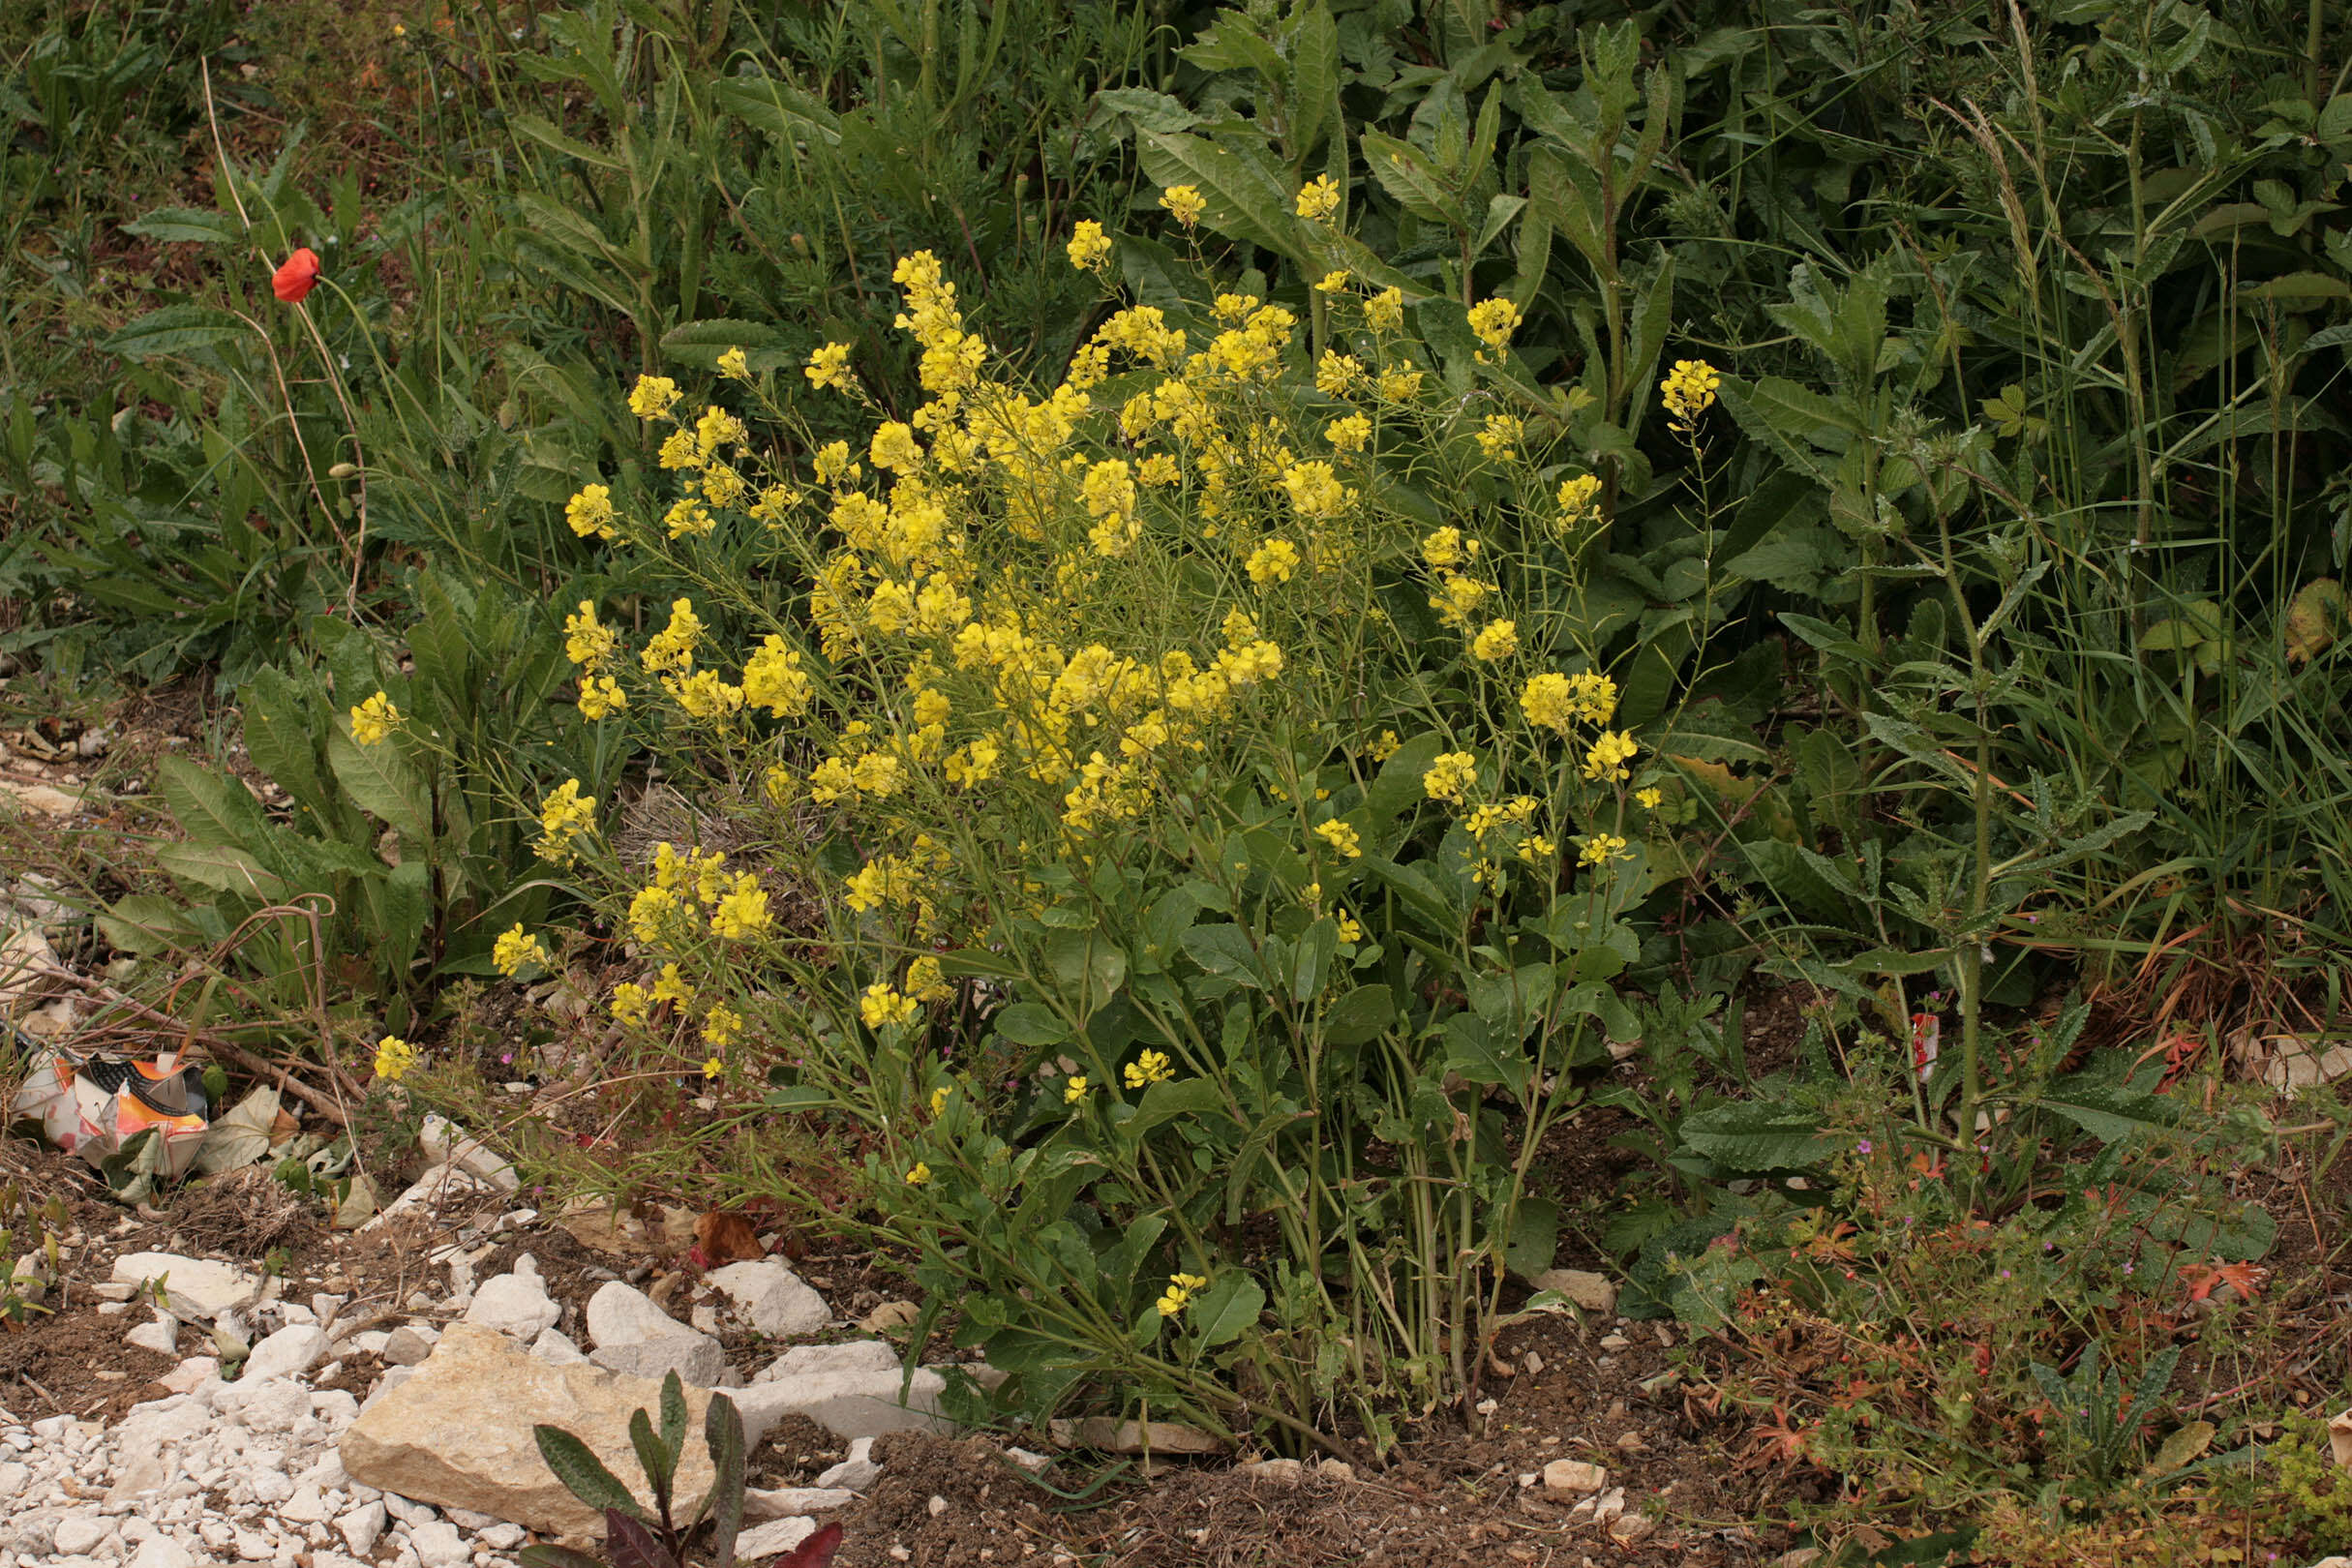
[1175, 819]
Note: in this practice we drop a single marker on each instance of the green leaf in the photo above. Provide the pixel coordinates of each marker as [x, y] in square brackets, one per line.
[1481, 1053]
[653, 1458]
[1414, 182]
[211, 808]
[1310, 958]
[223, 869]
[1535, 1236]
[779, 110]
[1176, 1096]
[582, 1472]
[1314, 82]
[540, 131]
[1148, 110]
[1246, 197]
[284, 747]
[1228, 1308]
[1028, 1023]
[1087, 966]
[1794, 422]
[700, 344]
[1398, 786]
[1361, 1015]
[674, 1418]
[1230, 43]
[1222, 949]
[147, 924]
[175, 329]
[185, 225]
[380, 779]
[1756, 1136]
[723, 1436]
[2109, 1112]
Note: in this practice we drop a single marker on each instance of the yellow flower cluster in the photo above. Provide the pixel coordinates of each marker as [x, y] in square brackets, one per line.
[1341, 836]
[394, 1056]
[883, 1008]
[564, 817]
[516, 950]
[1180, 1292]
[1553, 701]
[1184, 203]
[1493, 321]
[828, 367]
[1579, 500]
[1495, 641]
[1149, 1067]
[374, 720]
[1687, 392]
[590, 512]
[1089, 246]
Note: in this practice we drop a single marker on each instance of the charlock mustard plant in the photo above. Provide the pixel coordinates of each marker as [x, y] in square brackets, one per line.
[1140, 825]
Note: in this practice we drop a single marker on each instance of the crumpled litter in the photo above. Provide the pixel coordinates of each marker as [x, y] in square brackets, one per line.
[129, 1117]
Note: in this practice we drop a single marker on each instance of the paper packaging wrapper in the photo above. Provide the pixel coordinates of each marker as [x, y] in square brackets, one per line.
[93, 1106]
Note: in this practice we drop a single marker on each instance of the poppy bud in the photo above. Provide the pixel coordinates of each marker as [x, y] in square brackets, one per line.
[293, 281]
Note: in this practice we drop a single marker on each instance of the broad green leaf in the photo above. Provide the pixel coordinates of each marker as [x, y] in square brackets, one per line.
[1087, 965]
[1228, 1308]
[1177, 1097]
[1408, 176]
[185, 225]
[1314, 82]
[278, 736]
[147, 924]
[1222, 949]
[1398, 786]
[540, 131]
[384, 783]
[1361, 1015]
[1535, 1236]
[1756, 1136]
[1148, 110]
[175, 329]
[1310, 958]
[1481, 1053]
[1246, 199]
[211, 808]
[223, 869]
[2108, 1112]
[1028, 1023]
[581, 1471]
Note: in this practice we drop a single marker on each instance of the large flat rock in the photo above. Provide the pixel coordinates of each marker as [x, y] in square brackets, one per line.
[457, 1433]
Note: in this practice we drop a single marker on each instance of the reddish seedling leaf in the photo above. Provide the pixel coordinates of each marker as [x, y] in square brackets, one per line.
[2246, 1278]
[817, 1552]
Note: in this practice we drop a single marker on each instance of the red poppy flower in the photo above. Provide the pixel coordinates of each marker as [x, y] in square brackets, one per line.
[293, 281]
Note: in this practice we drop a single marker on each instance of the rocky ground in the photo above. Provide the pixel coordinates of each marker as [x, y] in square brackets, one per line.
[367, 1399]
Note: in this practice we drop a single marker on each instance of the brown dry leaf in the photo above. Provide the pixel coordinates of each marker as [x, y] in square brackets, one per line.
[27, 959]
[287, 1125]
[614, 1233]
[721, 1238]
[2339, 1440]
[2314, 618]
